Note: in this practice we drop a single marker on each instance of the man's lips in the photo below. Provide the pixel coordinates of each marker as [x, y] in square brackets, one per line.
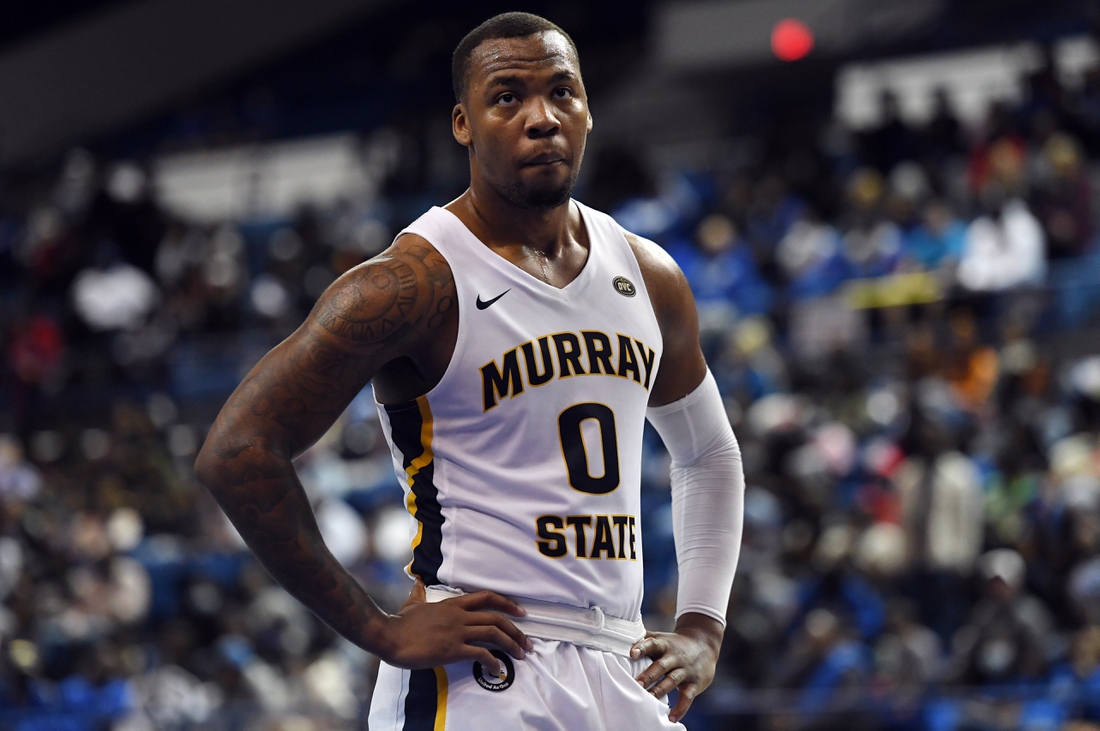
[547, 158]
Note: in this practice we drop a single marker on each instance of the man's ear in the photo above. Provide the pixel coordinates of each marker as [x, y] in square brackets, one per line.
[590, 121]
[460, 126]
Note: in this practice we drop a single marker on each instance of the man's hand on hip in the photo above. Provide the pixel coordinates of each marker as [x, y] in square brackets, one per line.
[684, 659]
[424, 635]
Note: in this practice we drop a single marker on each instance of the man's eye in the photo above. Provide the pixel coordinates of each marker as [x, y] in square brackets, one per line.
[563, 92]
[506, 98]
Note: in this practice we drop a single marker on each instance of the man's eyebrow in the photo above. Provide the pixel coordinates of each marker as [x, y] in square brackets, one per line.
[564, 76]
[504, 80]
[515, 80]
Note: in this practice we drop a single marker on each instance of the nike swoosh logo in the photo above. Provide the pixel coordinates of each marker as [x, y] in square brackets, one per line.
[482, 304]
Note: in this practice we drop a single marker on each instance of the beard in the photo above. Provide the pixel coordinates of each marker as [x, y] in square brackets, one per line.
[544, 198]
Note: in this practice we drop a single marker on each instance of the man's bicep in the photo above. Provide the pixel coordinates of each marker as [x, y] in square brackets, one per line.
[683, 366]
[376, 312]
[292, 396]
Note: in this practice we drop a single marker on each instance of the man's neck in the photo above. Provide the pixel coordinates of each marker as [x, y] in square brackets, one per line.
[500, 223]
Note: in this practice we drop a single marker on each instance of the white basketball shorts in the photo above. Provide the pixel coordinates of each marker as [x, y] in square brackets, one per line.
[557, 686]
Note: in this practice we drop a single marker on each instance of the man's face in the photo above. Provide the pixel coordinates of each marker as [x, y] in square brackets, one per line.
[525, 119]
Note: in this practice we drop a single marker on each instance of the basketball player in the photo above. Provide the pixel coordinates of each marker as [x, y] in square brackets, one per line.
[516, 341]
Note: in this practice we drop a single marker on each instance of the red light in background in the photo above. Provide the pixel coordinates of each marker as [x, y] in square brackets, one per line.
[791, 39]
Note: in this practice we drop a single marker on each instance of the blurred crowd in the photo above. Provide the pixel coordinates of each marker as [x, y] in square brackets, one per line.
[898, 319]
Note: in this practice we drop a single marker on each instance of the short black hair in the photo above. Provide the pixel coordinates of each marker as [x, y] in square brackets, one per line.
[505, 25]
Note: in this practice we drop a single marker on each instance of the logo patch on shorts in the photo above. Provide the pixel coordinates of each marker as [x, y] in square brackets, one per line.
[624, 286]
[492, 682]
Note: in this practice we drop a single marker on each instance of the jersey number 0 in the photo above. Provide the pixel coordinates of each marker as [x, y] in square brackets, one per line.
[576, 457]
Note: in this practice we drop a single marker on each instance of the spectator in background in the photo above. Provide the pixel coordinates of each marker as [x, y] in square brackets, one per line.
[1007, 634]
[749, 366]
[1063, 197]
[1045, 93]
[999, 153]
[20, 480]
[908, 654]
[35, 349]
[722, 273]
[771, 213]
[955, 518]
[1078, 676]
[943, 135]
[971, 368]
[892, 140]
[908, 187]
[114, 296]
[943, 513]
[936, 242]
[829, 666]
[839, 587]
[871, 241]
[1005, 246]
[35, 358]
[810, 258]
[123, 211]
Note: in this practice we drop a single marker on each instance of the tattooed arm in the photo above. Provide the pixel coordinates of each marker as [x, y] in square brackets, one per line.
[393, 306]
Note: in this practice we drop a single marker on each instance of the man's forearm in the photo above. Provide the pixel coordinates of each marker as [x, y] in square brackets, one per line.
[708, 494]
[263, 498]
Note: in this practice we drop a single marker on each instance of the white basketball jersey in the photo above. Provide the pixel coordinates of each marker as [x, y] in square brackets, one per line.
[521, 467]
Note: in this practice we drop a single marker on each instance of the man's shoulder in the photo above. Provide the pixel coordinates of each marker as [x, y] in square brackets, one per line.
[410, 246]
[433, 230]
[653, 260]
[658, 267]
[396, 297]
[669, 291]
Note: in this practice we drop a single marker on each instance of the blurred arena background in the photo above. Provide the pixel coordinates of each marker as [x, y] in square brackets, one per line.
[892, 239]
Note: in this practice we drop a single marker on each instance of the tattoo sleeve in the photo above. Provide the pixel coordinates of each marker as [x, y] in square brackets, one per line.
[385, 308]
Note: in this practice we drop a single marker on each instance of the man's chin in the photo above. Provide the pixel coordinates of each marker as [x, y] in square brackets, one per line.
[538, 199]
[544, 200]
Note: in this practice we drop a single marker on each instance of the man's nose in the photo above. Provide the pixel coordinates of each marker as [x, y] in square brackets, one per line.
[542, 119]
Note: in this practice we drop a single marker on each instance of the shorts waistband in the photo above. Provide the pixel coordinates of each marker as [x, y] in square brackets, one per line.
[564, 623]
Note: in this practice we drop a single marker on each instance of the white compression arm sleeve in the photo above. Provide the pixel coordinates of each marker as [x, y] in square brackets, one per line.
[708, 497]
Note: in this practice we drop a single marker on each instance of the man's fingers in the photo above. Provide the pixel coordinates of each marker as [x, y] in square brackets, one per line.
[649, 647]
[687, 696]
[503, 623]
[671, 681]
[489, 664]
[493, 635]
[417, 595]
[489, 600]
[653, 673]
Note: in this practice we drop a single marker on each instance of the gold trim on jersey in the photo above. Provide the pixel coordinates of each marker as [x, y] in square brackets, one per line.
[423, 460]
[442, 687]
